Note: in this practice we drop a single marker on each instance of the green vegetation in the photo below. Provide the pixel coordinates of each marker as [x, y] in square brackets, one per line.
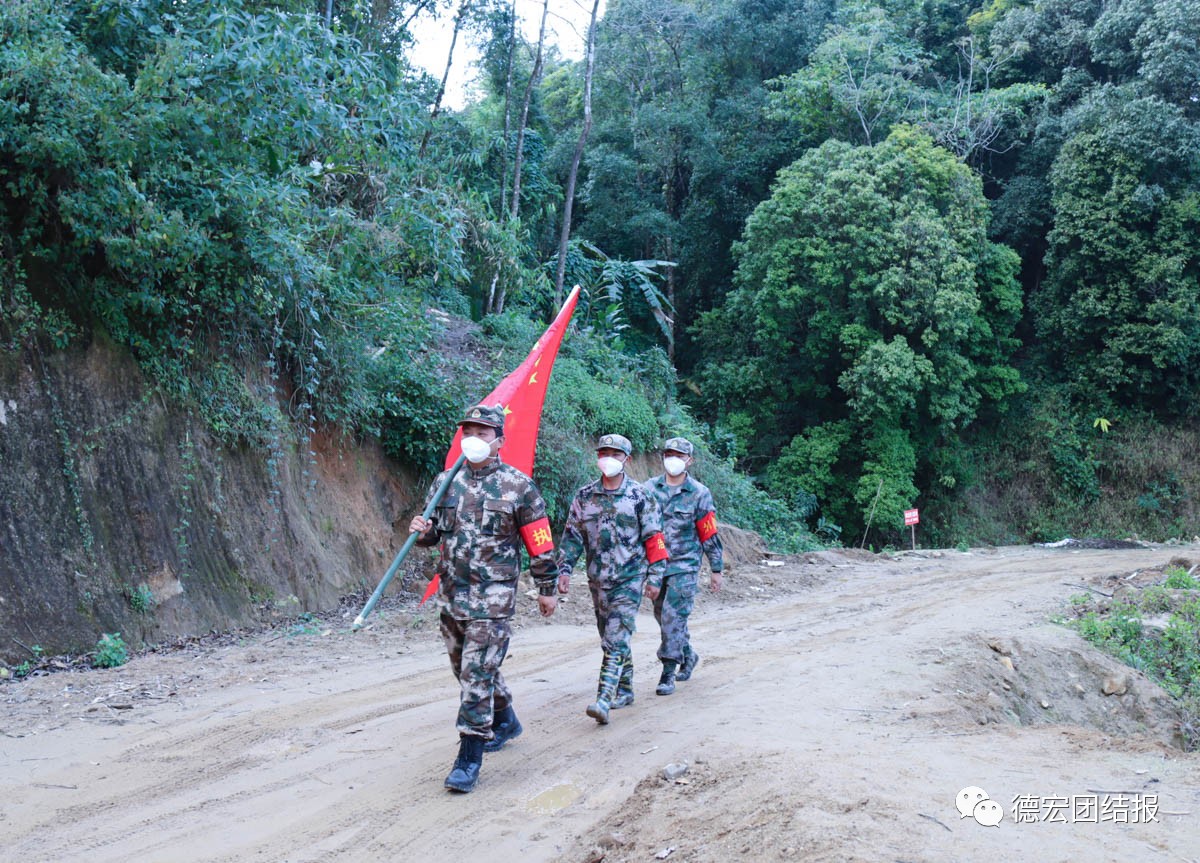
[306, 624]
[110, 652]
[141, 598]
[867, 255]
[597, 388]
[207, 183]
[1168, 652]
[882, 321]
[1178, 579]
[24, 668]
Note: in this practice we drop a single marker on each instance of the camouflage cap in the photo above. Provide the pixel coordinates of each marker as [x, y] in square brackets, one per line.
[678, 444]
[485, 415]
[615, 441]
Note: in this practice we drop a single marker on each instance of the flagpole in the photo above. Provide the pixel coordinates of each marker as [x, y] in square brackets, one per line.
[408, 544]
[558, 329]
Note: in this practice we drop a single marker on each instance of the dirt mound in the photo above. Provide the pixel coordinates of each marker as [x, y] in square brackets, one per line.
[1092, 542]
[742, 546]
[673, 818]
[1041, 681]
[842, 556]
[1118, 585]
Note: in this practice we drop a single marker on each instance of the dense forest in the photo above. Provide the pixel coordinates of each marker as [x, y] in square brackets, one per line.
[870, 256]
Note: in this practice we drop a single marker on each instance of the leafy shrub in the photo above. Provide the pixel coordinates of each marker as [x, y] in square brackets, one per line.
[422, 396]
[1170, 656]
[206, 182]
[868, 300]
[602, 403]
[1178, 579]
[110, 651]
[1135, 479]
[141, 598]
[1155, 599]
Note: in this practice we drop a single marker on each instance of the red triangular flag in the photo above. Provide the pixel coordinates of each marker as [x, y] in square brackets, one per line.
[430, 589]
[522, 394]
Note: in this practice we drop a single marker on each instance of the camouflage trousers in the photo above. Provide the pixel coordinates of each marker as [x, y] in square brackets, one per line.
[616, 619]
[476, 648]
[671, 610]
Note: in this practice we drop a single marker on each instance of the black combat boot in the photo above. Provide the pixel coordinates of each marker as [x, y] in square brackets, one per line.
[689, 665]
[466, 767]
[505, 726]
[666, 683]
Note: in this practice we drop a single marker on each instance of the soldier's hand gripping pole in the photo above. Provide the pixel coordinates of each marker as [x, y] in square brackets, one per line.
[408, 544]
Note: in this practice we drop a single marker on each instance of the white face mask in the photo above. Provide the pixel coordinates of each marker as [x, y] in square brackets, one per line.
[675, 466]
[476, 449]
[609, 466]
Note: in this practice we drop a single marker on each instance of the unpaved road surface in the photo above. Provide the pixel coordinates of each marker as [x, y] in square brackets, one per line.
[841, 705]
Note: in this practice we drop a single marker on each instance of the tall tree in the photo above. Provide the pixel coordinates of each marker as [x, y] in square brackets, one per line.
[682, 150]
[871, 321]
[527, 99]
[460, 18]
[1121, 301]
[569, 194]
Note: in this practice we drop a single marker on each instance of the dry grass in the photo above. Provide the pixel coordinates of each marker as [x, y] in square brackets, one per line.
[1147, 485]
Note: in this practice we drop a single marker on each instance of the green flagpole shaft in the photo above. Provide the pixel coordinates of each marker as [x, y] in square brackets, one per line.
[408, 544]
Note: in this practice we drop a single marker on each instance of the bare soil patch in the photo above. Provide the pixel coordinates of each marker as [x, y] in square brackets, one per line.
[842, 702]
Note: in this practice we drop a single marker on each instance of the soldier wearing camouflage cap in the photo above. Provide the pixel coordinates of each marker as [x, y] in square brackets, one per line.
[616, 523]
[489, 511]
[690, 526]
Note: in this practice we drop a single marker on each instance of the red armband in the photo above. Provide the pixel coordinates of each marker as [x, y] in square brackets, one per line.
[656, 548]
[537, 536]
[707, 527]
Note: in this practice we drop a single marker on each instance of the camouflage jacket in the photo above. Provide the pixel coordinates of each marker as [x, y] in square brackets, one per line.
[682, 506]
[478, 526]
[612, 527]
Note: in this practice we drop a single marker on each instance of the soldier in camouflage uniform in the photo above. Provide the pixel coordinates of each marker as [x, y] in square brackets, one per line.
[488, 511]
[617, 524]
[690, 527]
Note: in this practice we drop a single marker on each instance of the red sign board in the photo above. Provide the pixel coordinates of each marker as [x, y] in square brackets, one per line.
[910, 517]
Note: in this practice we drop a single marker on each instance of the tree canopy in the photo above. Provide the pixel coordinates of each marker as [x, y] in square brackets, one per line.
[868, 253]
[871, 310]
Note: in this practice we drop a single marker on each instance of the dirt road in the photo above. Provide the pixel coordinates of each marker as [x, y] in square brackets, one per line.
[840, 707]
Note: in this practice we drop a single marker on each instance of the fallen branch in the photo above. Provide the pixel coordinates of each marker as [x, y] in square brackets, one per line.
[935, 821]
[36, 655]
[1085, 587]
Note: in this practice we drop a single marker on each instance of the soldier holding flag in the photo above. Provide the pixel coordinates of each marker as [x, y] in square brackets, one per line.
[690, 527]
[479, 515]
[488, 510]
[616, 522]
